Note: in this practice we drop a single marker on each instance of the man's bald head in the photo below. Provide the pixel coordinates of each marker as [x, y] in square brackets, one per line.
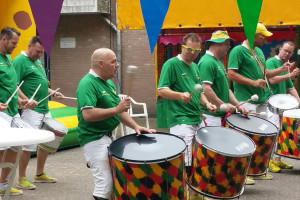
[99, 54]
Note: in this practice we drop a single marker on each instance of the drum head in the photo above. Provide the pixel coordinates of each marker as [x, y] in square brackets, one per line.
[283, 101]
[147, 147]
[225, 141]
[53, 124]
[254, 125]
[295, 113]
[19, 123]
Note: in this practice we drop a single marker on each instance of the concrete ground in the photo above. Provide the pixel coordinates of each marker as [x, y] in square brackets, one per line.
[76, 183]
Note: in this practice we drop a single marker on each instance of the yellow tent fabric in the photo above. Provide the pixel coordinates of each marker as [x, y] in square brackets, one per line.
[208, 13]
[18, 14]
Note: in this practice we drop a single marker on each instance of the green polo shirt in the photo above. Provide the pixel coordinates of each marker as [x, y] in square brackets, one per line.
[212, 71]
[180, 77]
[94, 92]
[280, 88]
[241, 59]
[8, 84]
[33, 74]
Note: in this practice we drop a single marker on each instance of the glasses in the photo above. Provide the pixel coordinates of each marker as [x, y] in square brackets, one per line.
[190, 49]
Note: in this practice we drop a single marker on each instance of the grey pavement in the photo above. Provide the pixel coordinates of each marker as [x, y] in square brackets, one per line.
[76, 183]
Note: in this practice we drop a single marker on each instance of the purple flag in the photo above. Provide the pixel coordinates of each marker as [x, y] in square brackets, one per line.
[46, 15]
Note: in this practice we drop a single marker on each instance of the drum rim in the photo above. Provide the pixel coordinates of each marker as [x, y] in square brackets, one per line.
[277, 109]
[253, 133]
[227, 154]
[148, 161]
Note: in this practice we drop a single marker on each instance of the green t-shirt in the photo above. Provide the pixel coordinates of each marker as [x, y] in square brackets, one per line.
[212, 71]
[241, 59]
[8, 84]
[180, 77]
[94, 92]
[280, 88]
[33, 74]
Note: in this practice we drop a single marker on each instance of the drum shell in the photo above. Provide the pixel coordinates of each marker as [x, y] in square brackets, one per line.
[288, 140]
[264, 145]
[207, 175]
[59, 131]
[159, 180]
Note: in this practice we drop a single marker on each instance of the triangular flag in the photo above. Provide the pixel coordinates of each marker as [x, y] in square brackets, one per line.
[250, 11]
[154, 12]
[46, 15]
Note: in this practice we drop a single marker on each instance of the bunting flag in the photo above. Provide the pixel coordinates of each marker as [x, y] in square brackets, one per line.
[46, 15]
[154, 12]
[250, 11]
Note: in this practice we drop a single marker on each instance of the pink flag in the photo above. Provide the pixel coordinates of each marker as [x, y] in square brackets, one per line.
[46, 15]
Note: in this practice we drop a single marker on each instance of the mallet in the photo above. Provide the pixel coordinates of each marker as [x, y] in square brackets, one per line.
[131, 70]
[197, 88]
[253, 98]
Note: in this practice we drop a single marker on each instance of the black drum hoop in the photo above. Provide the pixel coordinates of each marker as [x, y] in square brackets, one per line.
[149, 161]
[251, 132]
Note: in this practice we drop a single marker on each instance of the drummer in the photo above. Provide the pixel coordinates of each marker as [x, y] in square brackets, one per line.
[178, 77]
[248, 77]
[282, 84]
[214, 79]
[99, 113]
[30, 70]
[9, 37]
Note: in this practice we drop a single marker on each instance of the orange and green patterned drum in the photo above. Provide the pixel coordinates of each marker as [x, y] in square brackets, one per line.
[288, 140]
[149, 166]
[262, 132]
[221, 158]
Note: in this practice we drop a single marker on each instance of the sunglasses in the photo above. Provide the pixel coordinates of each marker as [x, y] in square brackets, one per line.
[190, 49]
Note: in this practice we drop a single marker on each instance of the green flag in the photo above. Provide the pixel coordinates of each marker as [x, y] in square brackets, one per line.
[250, 10]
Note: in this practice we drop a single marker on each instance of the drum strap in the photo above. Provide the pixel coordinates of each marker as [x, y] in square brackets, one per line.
[261, 66]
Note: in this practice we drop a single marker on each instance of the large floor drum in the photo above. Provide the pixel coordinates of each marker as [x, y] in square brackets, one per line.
[148, 166]
[262, 132]
[221, 158]
[288, 140]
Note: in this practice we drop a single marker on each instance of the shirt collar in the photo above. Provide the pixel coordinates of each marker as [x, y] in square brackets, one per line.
[209, 53]
[24, 53]
[180, 58]
[277, 57]
[94, 74]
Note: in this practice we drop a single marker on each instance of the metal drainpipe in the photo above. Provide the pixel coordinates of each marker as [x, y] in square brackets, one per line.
[119, 54]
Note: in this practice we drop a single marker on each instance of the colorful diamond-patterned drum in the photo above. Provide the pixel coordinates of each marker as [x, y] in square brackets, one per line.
[149, 166]
[221, 158]
[288, 140]
[262, 132]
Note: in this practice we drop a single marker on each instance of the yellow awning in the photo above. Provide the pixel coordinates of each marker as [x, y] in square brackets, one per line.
[208, 13]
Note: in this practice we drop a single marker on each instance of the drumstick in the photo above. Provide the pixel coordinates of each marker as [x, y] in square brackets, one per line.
[10, 98]
[262, 114]
[49, 95]
[197, 88]
[70, 98]
[253, 98]
[34, 93]
[131, 70]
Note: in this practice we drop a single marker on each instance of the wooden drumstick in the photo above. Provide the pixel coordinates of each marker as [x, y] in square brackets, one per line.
[131, 70]
[49, 95]
[253, 98]
[10, 98]
[197, 88]
[30, 100]
[70, 98]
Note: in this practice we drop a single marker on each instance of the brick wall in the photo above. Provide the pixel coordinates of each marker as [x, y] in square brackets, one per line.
[69, 65]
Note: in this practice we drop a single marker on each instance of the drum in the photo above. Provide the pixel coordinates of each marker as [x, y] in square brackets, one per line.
[288, 140]
[262, 132]
[59, 131]
[19, 123]
[221, 158]
[148, 166]
[4, 123]
[278, 103]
